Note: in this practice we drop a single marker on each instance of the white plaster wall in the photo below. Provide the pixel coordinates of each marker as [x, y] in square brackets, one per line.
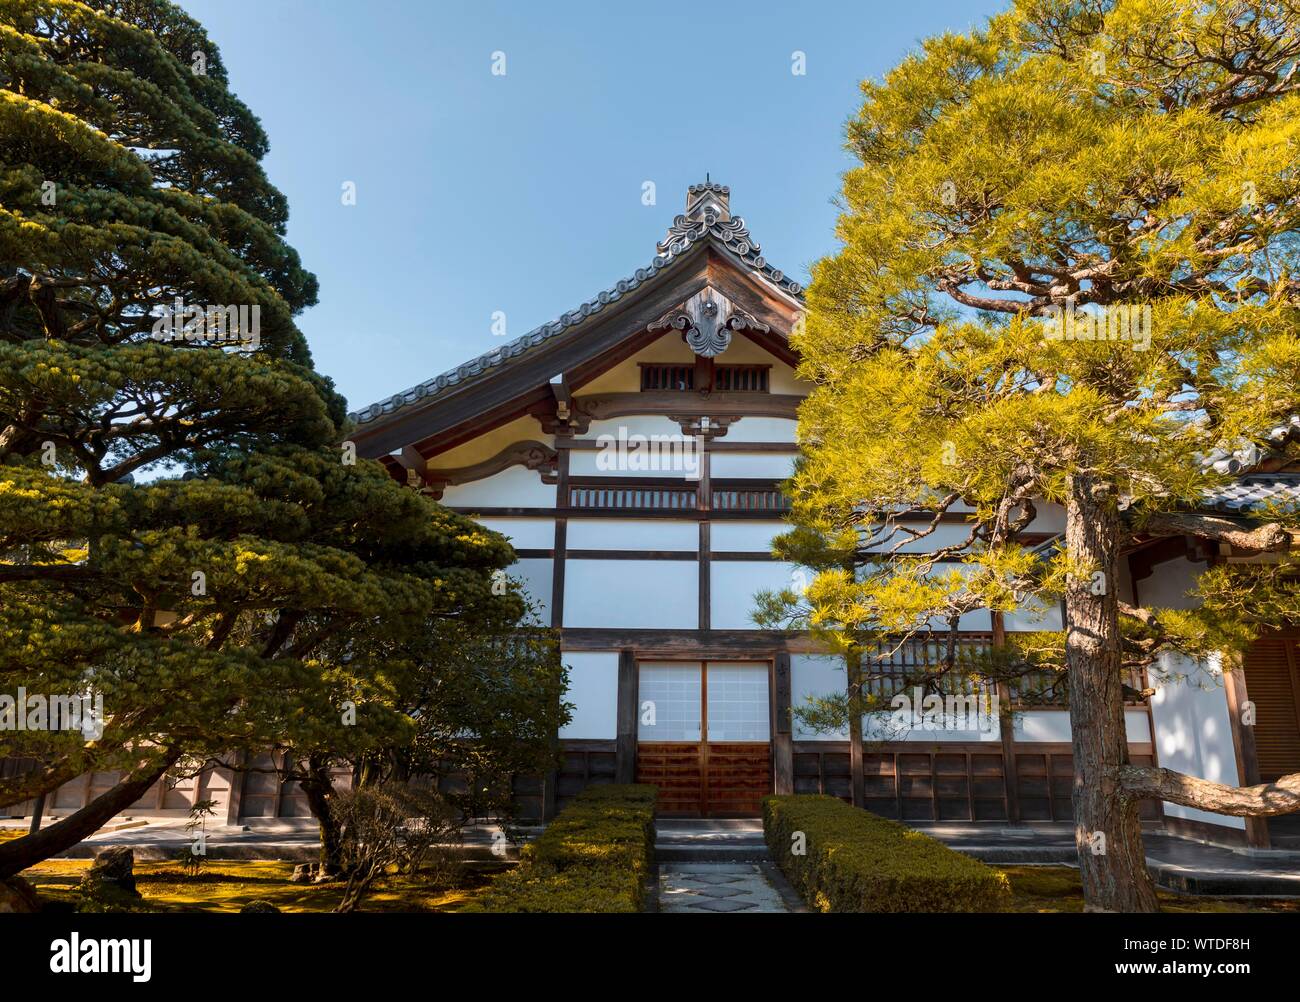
[514, 487]
[1169, 584]
[632, 534]
[762, 429]
[1049, 518]
[639, 446]
[1031, 726]
[636, 424]
[633, 594]
[536, 577]
[755, 465]
[745, 536]
[524, 533]
[733, 584]
[1193, 729]
[816, 675]
[1041, 725]
[593, 689]
[1031, 617]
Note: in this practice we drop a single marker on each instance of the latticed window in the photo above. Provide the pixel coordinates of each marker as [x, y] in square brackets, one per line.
[741, 378]
[667, 377]
[660, 376]
[895, 668]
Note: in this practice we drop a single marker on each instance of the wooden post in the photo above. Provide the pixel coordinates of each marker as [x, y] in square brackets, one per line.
[703, 504]
[38, 809]
[625, 747]
[1007, 728]
[549, 783]
[782, 735]
[853, 671]
[1243, 744]
[561, 534]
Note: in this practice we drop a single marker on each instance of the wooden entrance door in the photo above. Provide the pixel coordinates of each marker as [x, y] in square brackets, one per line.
[704, 736]
[1273, 685]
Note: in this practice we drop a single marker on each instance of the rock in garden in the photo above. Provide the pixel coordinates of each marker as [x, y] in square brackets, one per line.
[304, 873]
[113, 870]
[258, 908]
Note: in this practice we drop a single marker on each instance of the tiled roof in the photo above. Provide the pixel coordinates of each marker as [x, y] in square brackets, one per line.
[1256, 489]
[686, 231]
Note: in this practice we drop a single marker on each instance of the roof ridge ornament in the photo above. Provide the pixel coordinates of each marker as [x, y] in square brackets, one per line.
[708, 213]
[708, 199]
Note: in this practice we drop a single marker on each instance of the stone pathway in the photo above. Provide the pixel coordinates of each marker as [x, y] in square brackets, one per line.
[716, 887]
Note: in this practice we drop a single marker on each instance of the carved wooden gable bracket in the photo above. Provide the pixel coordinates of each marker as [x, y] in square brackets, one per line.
[707, 321]
[531, 454]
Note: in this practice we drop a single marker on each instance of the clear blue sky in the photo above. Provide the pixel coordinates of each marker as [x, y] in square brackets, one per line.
[522, 192]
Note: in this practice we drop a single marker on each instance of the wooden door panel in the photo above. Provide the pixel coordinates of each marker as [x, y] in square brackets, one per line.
[1271, 684]
[737, 777]
[677, 770]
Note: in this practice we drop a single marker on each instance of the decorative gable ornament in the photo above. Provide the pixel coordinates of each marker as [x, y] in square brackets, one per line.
[707, 321]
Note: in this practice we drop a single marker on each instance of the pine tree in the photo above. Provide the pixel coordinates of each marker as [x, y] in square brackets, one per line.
[1068, 276]
[184, 530]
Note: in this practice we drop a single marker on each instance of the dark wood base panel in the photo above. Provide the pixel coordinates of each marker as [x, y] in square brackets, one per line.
[712, 780]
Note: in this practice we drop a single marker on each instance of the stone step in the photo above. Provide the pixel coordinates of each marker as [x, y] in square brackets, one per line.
[1225, 883]
[741, 852]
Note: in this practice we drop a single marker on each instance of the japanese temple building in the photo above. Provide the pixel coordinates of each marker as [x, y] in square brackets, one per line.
[632, 451]
[649, 568]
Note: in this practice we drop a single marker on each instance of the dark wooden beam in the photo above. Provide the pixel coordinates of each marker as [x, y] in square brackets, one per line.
[412, 462]
[756, 645]
[783, 727]
[678, 514]
[561, 539]
[1007, 730]
[853, 682]
[704, 501]
[625, 748]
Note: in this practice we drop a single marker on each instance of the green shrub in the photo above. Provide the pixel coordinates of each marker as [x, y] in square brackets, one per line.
[860, 862]
[542, 888]
[592, 858]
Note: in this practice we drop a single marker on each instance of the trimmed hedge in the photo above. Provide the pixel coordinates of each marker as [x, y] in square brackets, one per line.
[856, 861]
[592, 858]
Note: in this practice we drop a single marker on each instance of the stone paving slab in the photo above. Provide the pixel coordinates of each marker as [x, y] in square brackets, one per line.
[717, 887]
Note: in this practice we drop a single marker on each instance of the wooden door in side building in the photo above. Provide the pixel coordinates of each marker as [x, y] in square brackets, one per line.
[1273, 685]
[704, 736]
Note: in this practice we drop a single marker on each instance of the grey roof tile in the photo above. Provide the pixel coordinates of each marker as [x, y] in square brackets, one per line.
[1256, 489]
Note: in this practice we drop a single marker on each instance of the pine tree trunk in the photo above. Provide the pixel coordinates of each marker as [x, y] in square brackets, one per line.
[1107, 828]
[21, 853]
[318, 785]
